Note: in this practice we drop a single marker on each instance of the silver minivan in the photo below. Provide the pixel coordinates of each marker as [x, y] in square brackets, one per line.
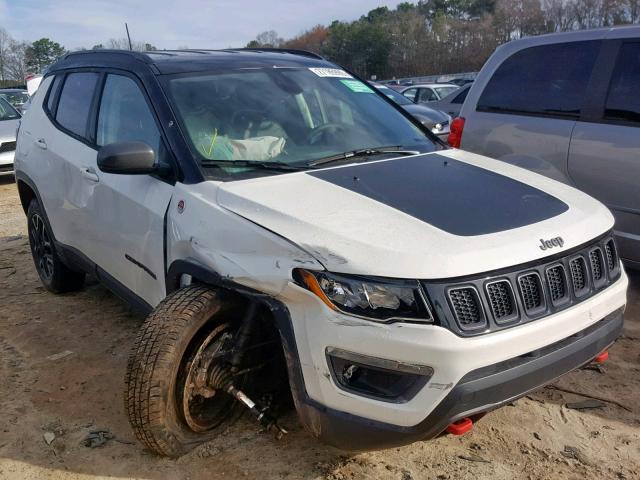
[566, 106]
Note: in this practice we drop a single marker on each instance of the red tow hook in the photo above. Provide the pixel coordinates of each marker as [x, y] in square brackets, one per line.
[603, 357]
[460, 427]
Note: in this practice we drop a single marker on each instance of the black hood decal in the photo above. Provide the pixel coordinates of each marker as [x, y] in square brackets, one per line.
[453, 196]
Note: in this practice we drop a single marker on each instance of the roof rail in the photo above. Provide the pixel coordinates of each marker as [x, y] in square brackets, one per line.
[131, 53]
[293, 51]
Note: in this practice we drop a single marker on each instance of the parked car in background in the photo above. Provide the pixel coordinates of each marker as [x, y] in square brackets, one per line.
[17, 97]
[435, 120]
[9, 119]
[566, 106]
[428, 92]
[452, 103]
[397, 84]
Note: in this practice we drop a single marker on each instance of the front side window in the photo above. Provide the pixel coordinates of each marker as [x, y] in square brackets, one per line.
[444, 91]
[395, 96]
[124, 115]
[427, 95]
[623, 102]
[75, 101]
[545, 80]
[7, 112]
[289, 116]
[411, 94]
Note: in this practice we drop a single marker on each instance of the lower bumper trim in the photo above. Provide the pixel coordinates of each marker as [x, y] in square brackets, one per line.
[479, 391]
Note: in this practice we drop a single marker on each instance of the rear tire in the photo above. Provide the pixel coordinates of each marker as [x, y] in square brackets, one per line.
[155, 378]
[54, 274]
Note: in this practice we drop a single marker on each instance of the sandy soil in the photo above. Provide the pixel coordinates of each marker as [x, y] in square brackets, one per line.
[62, 362]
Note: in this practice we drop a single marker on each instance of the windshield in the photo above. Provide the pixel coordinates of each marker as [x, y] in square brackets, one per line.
[7, 112]
[395, 96]
[444, 91]
[287, 116]
[15, 98]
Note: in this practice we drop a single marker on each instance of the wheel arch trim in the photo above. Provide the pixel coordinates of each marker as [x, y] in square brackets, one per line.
[278, 310]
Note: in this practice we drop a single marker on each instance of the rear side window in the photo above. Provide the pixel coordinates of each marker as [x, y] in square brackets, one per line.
[461, 97]
[75, 101]
[51, 96]
[623, 101]
[548, 80]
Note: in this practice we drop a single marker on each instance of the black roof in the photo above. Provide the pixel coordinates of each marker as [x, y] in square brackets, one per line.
[178, 61]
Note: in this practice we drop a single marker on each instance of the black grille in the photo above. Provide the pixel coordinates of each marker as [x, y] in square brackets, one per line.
[7, 147]
[502, 301]
[595, 258]
[578, 275]
[612, 256]
[497, 300]
[531, 291]
[467, 307]
[557, 283]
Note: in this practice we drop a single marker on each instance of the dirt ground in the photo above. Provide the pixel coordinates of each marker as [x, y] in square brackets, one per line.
[62, 362]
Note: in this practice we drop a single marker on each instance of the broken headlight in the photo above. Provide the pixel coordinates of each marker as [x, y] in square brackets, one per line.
[374, 299]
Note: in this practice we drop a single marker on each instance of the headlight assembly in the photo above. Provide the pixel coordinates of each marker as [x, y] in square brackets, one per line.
[373, 299]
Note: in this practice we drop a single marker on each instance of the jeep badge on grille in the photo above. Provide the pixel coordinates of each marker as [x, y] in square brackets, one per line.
[553, 242]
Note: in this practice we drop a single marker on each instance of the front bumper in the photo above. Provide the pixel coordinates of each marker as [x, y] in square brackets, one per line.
[330, 412]
[478, 391]
[6, 161]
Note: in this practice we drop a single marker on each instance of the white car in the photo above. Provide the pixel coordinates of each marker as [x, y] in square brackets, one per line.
[290, 232]
[9, 121]
[428, 92]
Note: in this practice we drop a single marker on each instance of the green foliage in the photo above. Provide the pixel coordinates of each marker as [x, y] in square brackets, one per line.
[42, 53]
[448, 36]
[363, 46]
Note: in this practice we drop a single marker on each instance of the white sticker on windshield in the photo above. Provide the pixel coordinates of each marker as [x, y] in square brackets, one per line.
[330, 72]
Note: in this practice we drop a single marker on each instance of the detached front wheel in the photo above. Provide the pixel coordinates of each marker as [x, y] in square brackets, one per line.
[185, 342]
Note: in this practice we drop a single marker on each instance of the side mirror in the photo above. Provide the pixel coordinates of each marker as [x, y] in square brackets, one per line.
[129, 158]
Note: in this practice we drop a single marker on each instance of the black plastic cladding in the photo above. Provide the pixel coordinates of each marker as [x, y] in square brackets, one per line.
[553, 274]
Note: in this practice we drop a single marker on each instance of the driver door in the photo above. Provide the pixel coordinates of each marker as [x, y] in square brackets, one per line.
[128, 211]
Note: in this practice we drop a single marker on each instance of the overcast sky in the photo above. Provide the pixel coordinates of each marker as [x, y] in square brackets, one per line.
[172, 23]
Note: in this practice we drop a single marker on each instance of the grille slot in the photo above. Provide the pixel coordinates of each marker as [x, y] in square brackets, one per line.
[597, 270]
[531, 291]
[612, 255]
[579, 276]
[7, 147]
[502, 301]
[467, 307]
[556, 280]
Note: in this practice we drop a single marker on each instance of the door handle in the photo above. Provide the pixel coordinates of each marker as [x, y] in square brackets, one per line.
[41, 143]
[90, 174]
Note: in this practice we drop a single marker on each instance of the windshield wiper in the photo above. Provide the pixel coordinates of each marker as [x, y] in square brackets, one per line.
[365, 152]
[251, 164]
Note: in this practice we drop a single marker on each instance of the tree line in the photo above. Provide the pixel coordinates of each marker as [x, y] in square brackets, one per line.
[446, 36]
[423, 38]
[18, 59]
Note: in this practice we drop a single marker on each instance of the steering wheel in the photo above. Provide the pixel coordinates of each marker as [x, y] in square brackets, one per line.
[246, 119]
[314, 135]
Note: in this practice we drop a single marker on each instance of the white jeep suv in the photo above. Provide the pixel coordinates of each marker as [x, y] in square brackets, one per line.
[293, 233]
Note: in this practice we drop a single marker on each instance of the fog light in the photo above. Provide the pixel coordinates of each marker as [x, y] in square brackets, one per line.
[377, 378]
